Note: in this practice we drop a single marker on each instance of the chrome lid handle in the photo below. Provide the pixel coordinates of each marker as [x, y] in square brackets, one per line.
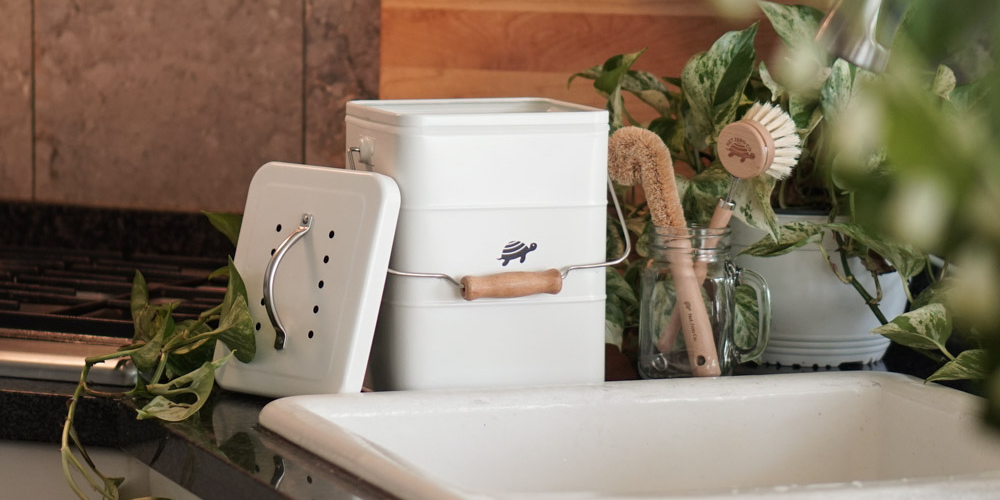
[272, 270]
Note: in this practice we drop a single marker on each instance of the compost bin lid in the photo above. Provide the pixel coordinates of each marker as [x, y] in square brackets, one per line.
[321, 237]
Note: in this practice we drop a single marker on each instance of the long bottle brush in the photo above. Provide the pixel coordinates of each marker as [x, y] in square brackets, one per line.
[638, 156]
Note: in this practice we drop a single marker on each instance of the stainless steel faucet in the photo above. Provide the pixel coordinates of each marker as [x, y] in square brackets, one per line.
[861, 31]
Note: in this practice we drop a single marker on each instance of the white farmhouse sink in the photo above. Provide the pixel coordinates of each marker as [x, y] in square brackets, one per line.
[821, 435]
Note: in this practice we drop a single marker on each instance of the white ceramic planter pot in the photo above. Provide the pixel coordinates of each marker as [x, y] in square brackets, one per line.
[816, 319]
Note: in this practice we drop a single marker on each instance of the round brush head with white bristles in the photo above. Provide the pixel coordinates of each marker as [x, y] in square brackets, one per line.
[763, 142]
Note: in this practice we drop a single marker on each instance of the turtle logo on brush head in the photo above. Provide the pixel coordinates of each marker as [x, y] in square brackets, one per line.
[516, 250]
[739, 148]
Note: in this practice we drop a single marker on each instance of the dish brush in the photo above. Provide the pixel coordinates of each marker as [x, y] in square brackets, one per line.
[638, 156]
[764, 142]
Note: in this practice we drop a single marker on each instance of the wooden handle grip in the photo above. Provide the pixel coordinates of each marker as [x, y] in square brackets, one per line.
[515, 284]
[720, 219]
[695, 324]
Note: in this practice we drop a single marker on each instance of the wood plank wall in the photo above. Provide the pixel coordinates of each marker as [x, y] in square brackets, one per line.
[513, 48]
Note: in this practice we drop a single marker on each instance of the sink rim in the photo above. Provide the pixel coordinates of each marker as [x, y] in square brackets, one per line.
[356, 454]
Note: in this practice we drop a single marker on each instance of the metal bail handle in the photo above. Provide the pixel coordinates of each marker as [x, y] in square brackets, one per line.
[272, 269]
[520, 284]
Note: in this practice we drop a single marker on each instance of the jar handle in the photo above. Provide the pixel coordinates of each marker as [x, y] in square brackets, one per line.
[757, 283]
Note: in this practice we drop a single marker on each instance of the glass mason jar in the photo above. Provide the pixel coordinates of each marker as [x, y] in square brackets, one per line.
[689, 318]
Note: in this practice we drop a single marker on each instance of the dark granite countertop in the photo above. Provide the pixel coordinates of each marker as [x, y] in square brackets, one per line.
[220, 453]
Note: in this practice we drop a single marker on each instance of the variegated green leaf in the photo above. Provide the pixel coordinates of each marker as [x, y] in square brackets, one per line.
[926, 328]
[189, 358]
[649, 89]
[614, 321]
[906, 259]
[837, 89]
[713, 82]
[181, 397]
[142, 313]
[622, 306]
[703, 193]
[591, 73]
[661, 304]
[642, 245]
[614, 239]
[970, 96]
[796, 25]
[777, 90]
[969, 365]
[944, 82]
[148, 356]
[746, 323]
[935, 293]
[609, 83]
[637, 225]
[683, 183]
[802, 106]
[790, 236]
[236, 331]
[671, 131]
[227, 224]
[235, 288]
[752, 200]
[646, 86]
[616, 286]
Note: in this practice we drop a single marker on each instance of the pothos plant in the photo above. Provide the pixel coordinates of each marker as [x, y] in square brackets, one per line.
[714, 89]
[173, 360]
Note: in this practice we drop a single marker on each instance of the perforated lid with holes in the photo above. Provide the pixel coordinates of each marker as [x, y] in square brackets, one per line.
[325, 235]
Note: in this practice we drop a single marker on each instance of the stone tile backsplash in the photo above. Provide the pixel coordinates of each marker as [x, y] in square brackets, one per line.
[173, 105]
[15, 100]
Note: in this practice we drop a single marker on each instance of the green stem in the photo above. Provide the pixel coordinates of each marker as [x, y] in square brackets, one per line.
[854, 282]
[929, 269]
[944, 271]
[878, 288]
[205, 315]
[66, 451]
[833, 267]
[93, 360]
[946, 353]
[171, 346]
[183, 340]
[160, 367]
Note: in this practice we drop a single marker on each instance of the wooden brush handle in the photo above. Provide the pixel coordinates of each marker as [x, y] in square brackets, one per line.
[720, 219]
[695, 324]
[515, 284]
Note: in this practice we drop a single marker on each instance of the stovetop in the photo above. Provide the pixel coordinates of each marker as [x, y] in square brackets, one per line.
[58, 306]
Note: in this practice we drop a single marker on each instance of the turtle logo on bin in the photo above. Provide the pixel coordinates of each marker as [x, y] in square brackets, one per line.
[516, 250]
[739, 148]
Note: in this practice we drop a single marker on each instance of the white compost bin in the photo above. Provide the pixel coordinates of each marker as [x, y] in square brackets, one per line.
[488, 186]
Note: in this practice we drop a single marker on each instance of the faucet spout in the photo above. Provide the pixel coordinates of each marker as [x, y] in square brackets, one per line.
[862, 31]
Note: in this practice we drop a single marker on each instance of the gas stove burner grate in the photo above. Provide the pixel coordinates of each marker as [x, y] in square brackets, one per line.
[38, 285]
[58, 306]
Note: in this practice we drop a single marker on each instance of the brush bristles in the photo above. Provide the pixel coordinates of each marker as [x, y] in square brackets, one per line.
[786, 139]
[637, 155]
